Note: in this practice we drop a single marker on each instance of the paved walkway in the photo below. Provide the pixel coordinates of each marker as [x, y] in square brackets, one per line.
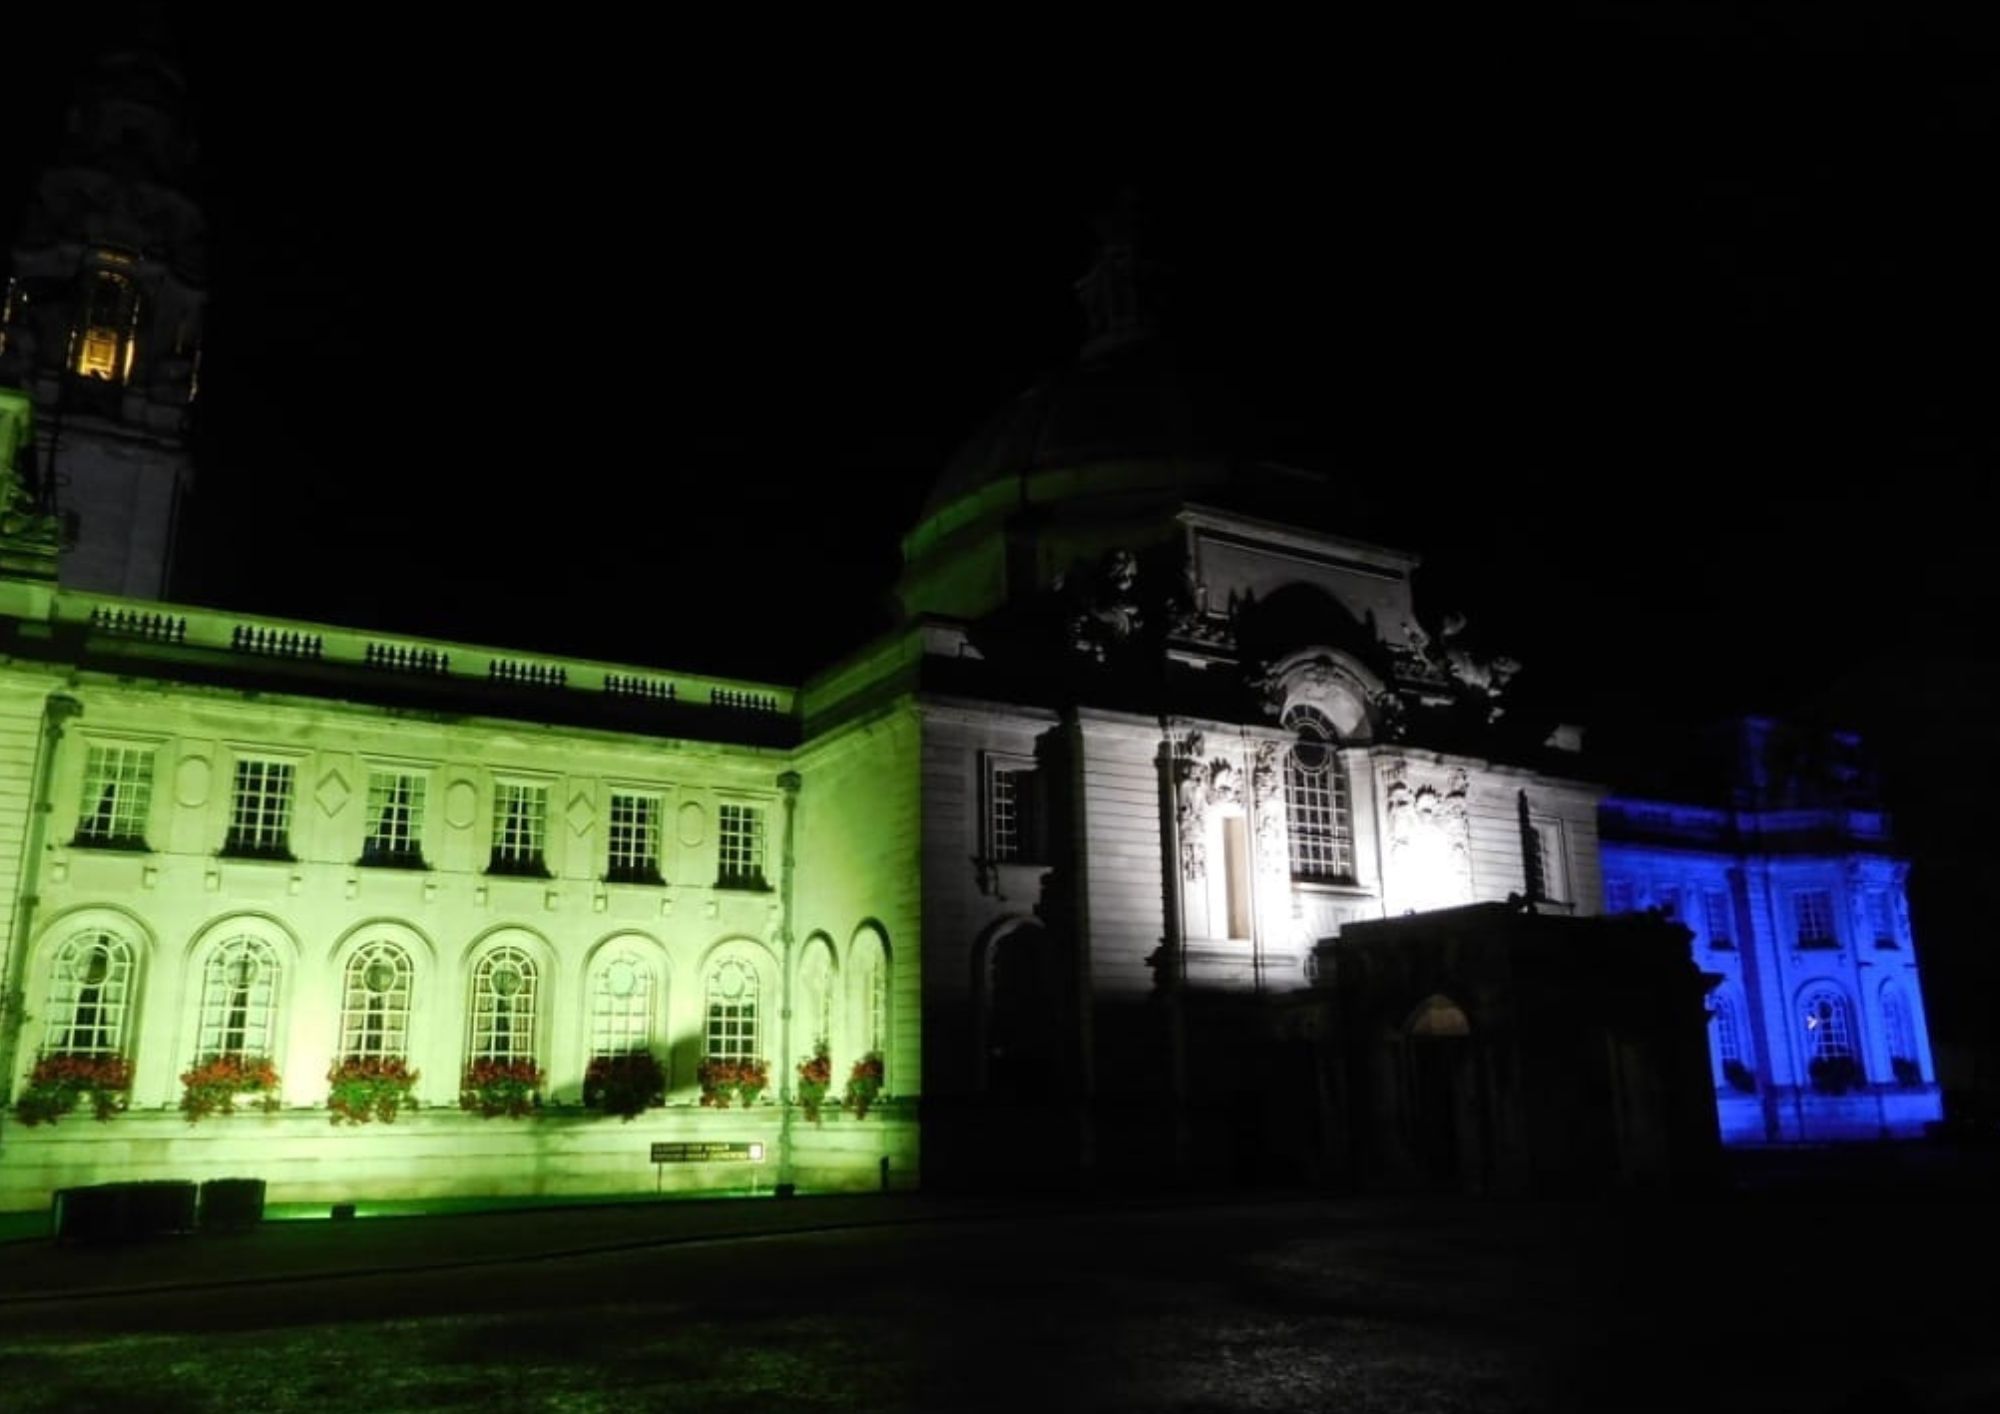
[39, 1270]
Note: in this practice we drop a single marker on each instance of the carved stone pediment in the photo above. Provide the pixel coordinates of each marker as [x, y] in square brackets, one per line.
[1337, 686]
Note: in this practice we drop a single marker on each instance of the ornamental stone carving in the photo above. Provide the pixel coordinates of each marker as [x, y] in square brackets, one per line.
[1191, 804]
[1267, 789]
[1430, 838]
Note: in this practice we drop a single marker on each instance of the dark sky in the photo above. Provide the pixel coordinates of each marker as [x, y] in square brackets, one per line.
[1665, 333]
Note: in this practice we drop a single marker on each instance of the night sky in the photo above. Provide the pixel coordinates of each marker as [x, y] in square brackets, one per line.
[1667, 337]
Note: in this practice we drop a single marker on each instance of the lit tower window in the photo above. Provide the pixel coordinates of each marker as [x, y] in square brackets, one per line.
[107, 336]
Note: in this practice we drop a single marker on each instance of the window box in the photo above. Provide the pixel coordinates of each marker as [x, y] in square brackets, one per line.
[59, 1083]
[240, 848]
[495, 1087]
[392, 859]
[634, 874]
[363, 1088]
[625, 1085]
[130, 844]
[749, 883]
[518, 869]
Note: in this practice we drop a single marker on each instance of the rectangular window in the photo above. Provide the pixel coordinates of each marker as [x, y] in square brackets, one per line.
[740, 847]
[1721, 926]
[1317, 813]
[1548, 868]
[260, 815]
[117, 794]
[1011, 833]
[395, 837]
[1815, 913]
[633, 855]
[1236, 874]
[1617, 896]
[520, 816]
[1882, 918]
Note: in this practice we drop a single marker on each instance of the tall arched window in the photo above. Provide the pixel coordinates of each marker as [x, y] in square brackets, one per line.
[1319, 818]
[868, 973]
[1829, 1036]
[1728, 1035]
[622, 1001]
[814, 1004]
[239, 999]
[375, 1003]
[1899, 1032]
[731, 1030]
[503, 1006]
[90, 996]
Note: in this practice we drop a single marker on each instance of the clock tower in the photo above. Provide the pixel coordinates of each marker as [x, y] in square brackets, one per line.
[101, 324]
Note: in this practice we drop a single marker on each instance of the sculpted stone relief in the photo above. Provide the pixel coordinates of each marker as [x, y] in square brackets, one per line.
[1201, 782]
[1430, 840]
[1267, 788]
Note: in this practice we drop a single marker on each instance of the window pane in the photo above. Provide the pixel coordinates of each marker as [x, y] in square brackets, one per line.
[117, 795]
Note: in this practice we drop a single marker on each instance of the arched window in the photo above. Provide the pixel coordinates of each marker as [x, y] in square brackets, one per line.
[90, 996]
[814, 1007]
[622, 1001]
[1828, 1033]
[1025, 1034]
[1320, 820]
[731, 1030]
[503, 1006]
[375, 1003]
[239, 999]
[1728, 1034]
[868, 984]
[1898, 1030]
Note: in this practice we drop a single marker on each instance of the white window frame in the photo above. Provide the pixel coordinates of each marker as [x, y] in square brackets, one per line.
[1719, 918]
[1319, 803]
[115, 798]
[239, 1009]
[1010, 821]
[623, 1023]
[1551, 840]
[396, 847]
[732, 1022]
[1829, 1023]
[640, 863]
[751, 854]
[259, 828]
[520, 838]
[503, 1016]
[375, 1021]
[78, 996]
[1812, 907]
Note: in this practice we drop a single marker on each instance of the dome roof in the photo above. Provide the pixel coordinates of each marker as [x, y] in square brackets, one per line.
[1134, 400]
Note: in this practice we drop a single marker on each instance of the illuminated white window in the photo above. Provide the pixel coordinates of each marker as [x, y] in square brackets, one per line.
[731, 1030]
[260, 812]
[117, 795]
[90, 997]
[1814, 909]
[868, 969]
[503, 1007]
[239, 998]
[1721, 921]
[375, 1003]
[1319, 819]
[621, 1005]
[740, 847]
[1011, 826]
[520, 819]
[395, 820]
[1828, 1035]
[633, 853]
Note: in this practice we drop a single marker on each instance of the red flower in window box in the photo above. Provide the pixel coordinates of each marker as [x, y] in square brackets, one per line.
[370, 1087]
[864, 1083]
[815, 1079]
[721, 1080]
[495, 1087]
[58, 1082]
[212, 1086]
